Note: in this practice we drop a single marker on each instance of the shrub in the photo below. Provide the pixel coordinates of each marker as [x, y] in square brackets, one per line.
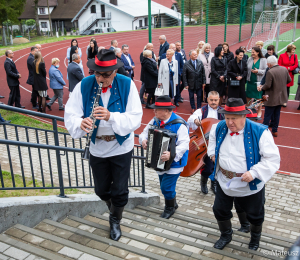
[65, 32]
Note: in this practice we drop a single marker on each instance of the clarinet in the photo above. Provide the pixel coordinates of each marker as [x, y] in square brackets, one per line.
[86, 152]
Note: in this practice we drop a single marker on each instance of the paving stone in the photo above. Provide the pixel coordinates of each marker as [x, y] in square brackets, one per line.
[70, 252]
[3, 247]
[97, 245]
[33, 239]
[117, 252]
[156, 238]
[16, 253]
[138, 244]
[87, 228]
[33, 257]
[45, 227]
[15, 232]
[192, 249]
[139, 233]
[132, 256]
[70, 222]
[174, 243]
[89, 257]
[79, 239]
[50, 245]
[211, 255]
[3, 257]
[156, 250]
[176, 256]
[62, 233]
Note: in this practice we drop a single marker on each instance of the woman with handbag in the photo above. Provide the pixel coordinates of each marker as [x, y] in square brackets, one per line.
[218, 74]
[289, 60]
[205, 56]
[256, 68]
[237, 73]
[149, 75]
[168, 74]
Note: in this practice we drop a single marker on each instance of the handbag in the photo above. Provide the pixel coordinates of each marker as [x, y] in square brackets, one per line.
[295, 71]
[159, 91]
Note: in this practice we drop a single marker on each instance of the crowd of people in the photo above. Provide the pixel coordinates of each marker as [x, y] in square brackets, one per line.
[237, 147]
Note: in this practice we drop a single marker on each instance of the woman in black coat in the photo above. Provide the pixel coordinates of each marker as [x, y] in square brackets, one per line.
[39, 80]
[149, 75]
[237, 70]
[227, 53]
[218, 73]
[92, 50]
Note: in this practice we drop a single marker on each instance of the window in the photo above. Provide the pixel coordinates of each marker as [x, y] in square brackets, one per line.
[104, 25]
[282, 2]
[96, 24]
[44, 25]
[114, 2]
[42, 10]
[146, 21]
[93, 9]
[107, 24]
[141, 23]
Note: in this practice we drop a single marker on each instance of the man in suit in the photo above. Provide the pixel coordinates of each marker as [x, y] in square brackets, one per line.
[127, 60]
[149, 47]
[120, 70]
[30, 67]
[184, 58]
[12, 76]
[74, 72]
[194, 79]
[180, 63]
[114, 44]
[164, 46]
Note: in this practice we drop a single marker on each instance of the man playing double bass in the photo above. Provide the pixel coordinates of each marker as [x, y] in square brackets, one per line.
[194, 121]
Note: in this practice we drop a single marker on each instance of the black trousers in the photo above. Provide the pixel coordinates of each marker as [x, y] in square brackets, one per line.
[272, 114]
[208, 168]
[111, 177]
[253, 205]
[14, 96]
[34, 96]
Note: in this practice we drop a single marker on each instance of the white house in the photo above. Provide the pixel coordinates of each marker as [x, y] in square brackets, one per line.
[124, 15]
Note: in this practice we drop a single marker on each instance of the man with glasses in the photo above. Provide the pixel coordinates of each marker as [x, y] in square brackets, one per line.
[12, 76]
[112, 141]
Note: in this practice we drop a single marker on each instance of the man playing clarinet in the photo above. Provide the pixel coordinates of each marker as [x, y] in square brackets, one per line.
[194, 121]
[246, 158]
[164, 115]
[112, 141]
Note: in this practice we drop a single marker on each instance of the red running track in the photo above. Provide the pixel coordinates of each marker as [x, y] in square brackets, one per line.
[289, 130]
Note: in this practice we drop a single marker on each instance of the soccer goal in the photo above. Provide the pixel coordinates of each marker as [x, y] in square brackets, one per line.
[275, 26]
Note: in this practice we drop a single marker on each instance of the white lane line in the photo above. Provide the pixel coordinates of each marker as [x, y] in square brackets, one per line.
[290, 147]
[287, 45]
[289, 127]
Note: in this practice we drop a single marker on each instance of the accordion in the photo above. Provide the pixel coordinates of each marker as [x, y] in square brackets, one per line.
[159, 141]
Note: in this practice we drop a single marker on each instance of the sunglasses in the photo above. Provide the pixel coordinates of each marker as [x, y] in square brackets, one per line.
[104, 75]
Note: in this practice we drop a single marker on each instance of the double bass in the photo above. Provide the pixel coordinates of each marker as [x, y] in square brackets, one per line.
[198, 147]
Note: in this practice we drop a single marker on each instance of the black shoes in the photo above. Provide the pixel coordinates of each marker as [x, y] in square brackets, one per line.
[226, 234]
[49, 107]
[148, 106]
[170, 207]
[203, 184]
[298, 107]
[245, 225]
[143, 102]
[62, 109]
[35, 107]
[213, 186]
[176, 104]
[255, 237]
[48, 98]
[115, 217]
[2, 97]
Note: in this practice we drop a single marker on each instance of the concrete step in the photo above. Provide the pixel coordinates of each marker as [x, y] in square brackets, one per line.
[175, 237]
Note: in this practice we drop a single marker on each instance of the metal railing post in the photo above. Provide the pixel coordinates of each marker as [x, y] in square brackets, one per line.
[226, 17]
[58, 160]
[206, 20]
[143, 172]
[241, 20]
[295, 24]
[182, 24]
[253, 16]
[149, 21]
[278, 31]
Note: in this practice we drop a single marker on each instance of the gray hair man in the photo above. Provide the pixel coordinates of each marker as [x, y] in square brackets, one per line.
[127, 60]
[277, 78]
[114, 44]
[74, 71]
[121, 70]
[164, 46]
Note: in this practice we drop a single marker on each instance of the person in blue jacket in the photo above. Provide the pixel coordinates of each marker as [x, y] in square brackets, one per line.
[57, 83]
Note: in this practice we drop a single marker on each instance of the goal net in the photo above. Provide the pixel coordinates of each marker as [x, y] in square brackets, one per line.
[275, 26]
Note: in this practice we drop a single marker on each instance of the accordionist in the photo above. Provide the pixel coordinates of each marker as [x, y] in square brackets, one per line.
[163, 109]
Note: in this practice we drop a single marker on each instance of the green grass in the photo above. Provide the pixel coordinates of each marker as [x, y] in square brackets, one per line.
[7, 179]
[19, 119]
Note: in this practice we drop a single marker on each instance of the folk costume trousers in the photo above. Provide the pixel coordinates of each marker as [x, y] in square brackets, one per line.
[208, 168]
[111, 176]
[168, 185]
[253, 205]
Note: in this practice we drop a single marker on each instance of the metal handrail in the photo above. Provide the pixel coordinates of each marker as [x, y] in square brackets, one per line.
[92, 19]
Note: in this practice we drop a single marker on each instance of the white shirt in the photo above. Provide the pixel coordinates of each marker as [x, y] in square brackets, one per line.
[232, 158]
[128, 59]
[119, 123]
[212, 113]
[182, 144]
[182, 56]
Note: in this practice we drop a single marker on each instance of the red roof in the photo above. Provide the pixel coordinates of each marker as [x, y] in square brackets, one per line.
[166, 3]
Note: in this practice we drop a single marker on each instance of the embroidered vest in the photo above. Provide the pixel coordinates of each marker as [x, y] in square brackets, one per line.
[117, 101]
[252, 134]
[174, 128]
[205, 113]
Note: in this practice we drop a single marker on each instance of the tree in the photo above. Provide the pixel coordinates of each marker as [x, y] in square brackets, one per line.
[50, 22]
[30, 23]
[37, 21]
[191, 7]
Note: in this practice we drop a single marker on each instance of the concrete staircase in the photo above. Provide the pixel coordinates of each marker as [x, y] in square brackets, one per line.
[145, 236]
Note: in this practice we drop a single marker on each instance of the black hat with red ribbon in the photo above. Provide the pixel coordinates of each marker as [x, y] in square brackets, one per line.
[105, 60]
[234, 106]
[163, 102]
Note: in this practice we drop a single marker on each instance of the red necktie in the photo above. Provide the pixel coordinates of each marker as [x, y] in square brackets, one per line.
[105, 89]
[161, 123]
[234, 133]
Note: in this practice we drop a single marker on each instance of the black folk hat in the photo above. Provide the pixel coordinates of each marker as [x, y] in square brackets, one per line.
[253, 114]
[162, 102]
[234, 106]
[105, 60]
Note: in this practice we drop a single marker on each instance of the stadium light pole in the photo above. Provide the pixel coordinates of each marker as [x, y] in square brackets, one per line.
[226, 17]
[241, 20]
[262, 25]
[182, 24]
[206, 20]
[149, 21]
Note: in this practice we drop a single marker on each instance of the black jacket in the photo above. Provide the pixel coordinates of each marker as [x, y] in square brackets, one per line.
[12, 74]
[193, 78]
[39, 82]
[229, 56]
[234, 70]
[30, 68]
[149, 74]
[74, 75]
[122, 70]
[163, 49]
[218, 68]
[267, 55]
[245, 57]
[92, 54]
